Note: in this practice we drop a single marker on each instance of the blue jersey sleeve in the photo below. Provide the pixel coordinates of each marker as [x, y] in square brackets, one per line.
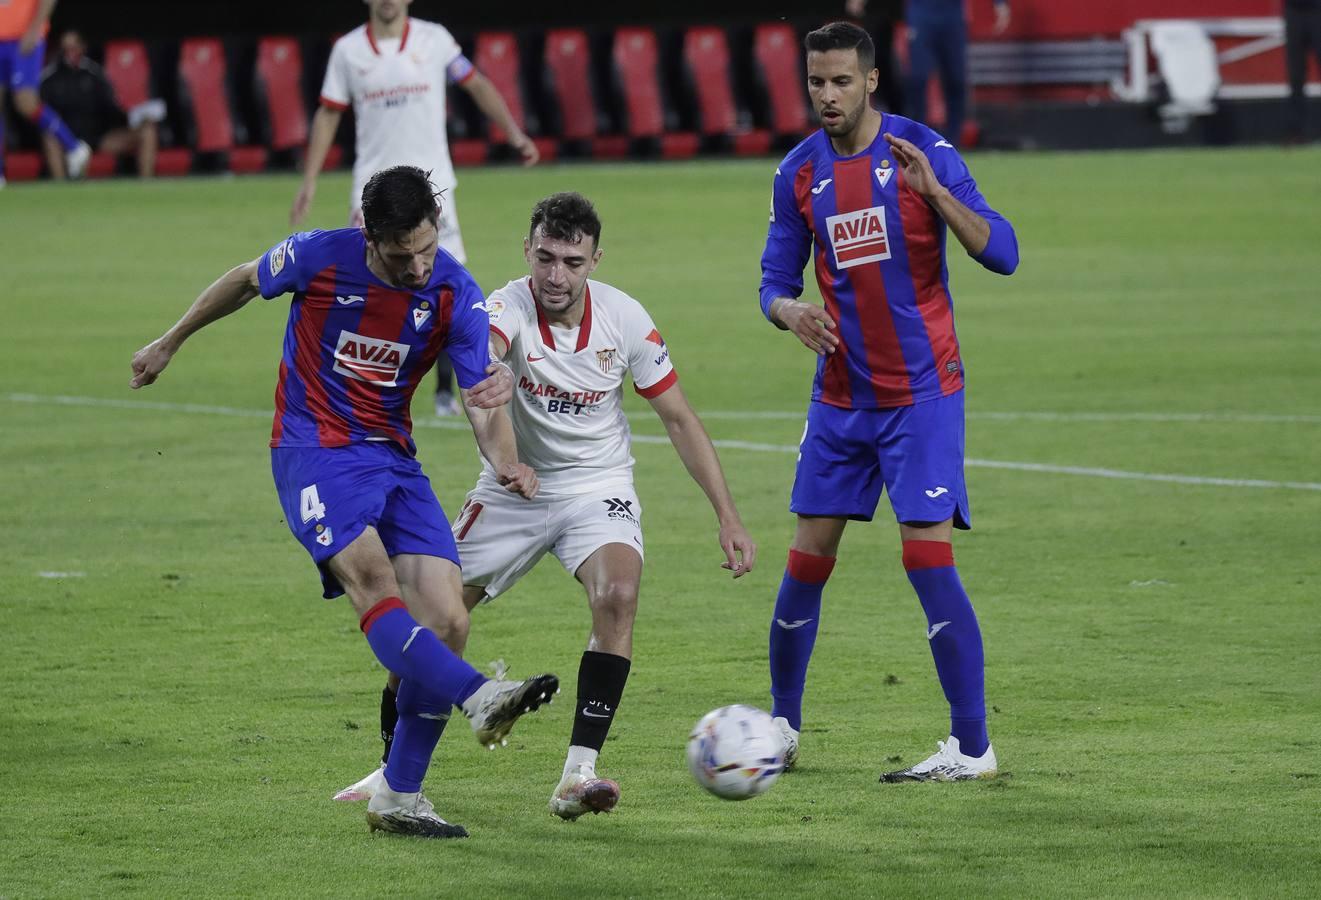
[469, 341]
[788, 245]
[280, 271]
[1001, 252]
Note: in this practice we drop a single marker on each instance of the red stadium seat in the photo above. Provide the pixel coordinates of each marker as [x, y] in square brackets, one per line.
[280, 86]
[22, 166]
[129, 72]
[497, 59]
[174, 161]
[706, 55]
[637, 63]
[568, 72]
[779, 61]
[202, 76]
[101, 165]
[468, 152]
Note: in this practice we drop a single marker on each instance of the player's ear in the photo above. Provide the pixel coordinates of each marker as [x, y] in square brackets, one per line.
[366, 236]
[596, 259]
[873, 80]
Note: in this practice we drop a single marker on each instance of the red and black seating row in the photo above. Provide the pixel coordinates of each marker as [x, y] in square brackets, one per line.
[629, 92]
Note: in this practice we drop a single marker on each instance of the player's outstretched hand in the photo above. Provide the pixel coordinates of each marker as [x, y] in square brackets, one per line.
[518, 478]
[149, 362]
[918, 173]
[494, 391]
[811, 324]
[527, 148]
[740, 549]
[302, 203]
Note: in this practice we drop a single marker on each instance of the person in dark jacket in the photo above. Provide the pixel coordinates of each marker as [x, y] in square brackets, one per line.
[77, 88]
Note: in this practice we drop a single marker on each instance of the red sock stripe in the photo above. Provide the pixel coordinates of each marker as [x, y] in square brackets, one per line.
[381, 608]
[928, 555]
[809, 568]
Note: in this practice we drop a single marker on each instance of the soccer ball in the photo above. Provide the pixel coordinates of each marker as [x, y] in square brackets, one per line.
[736, 752]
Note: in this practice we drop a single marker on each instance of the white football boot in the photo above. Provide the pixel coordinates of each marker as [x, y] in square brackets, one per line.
[76, 160]
[364, 790]
[408, 814]
[948, 764]
[790, 741]
[581, 792]
[496, 705]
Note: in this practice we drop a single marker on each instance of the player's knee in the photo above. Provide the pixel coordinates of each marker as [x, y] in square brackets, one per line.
[617, 600]
[27, 103]
[451, 626]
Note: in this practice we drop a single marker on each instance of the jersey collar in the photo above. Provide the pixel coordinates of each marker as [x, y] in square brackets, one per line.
[584, 327]
[403, 41]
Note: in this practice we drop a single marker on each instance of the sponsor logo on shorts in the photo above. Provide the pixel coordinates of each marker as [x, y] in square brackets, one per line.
[369, 359]
[859, 237]
[940, 489]
[617, 508]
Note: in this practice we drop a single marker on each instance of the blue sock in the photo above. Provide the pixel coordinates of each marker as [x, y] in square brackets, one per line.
[422, 718]
[49, 121]
[2, 143]
[415, 653]
[956, 641]
[793, 631]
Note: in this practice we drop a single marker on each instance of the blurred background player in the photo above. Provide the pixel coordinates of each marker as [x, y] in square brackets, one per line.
[23, 27]
[1302, 32]
[570, 342]
[938, 40]
[874, 195]
[344, 460]
[77, 88]
[393, 71]
[880, 17]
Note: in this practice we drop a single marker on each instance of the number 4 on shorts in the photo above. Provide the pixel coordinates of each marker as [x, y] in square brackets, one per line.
[309, 504]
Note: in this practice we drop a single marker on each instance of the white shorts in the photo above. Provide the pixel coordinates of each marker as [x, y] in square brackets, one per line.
[501, 536]
[447, 232]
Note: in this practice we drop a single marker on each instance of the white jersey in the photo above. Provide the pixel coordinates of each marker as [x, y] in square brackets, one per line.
[397, 90]
[566, 410]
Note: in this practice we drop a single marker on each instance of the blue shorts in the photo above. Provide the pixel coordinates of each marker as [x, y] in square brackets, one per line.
[330, 496]
[18, 71]
[914, 452]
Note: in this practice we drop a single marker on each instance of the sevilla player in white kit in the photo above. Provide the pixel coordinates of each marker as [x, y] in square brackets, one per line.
[394, 71]
[571, 342]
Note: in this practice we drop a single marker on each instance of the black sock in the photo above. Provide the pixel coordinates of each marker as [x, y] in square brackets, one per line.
[601, 678]
[389, 718]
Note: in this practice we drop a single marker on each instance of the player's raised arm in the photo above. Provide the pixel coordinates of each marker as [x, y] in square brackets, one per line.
[227, 294]
[699, 457]
[984, 233]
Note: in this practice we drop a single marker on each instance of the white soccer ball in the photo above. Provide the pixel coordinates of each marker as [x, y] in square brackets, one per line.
[736, 752]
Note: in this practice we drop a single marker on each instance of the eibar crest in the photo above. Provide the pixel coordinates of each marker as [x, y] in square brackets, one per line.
[884, 174]
[420, 316]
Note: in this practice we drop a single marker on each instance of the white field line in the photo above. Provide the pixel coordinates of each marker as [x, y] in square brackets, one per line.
[460, 425]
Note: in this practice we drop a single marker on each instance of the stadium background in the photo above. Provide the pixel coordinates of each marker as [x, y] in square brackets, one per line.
[241, 79]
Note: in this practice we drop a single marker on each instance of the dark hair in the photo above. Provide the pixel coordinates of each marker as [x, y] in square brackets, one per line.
[397, 200]
[843, 36]
[567, 216]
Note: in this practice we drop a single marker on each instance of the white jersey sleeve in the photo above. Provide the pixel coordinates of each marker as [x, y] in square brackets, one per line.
[336, 91]
[648, 357]
[447, 49]
[507, 317]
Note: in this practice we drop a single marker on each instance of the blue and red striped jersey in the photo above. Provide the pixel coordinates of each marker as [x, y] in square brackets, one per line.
[879, 253]
[356, 348]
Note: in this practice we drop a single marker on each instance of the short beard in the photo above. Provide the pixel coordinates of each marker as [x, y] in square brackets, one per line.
[847, 125]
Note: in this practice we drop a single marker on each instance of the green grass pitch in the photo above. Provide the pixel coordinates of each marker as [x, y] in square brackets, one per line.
[178, 704]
